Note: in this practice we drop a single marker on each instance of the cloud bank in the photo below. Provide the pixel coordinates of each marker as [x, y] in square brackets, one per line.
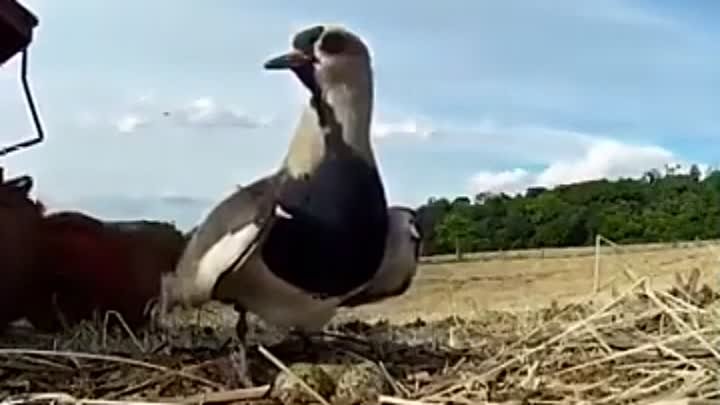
[601, 158]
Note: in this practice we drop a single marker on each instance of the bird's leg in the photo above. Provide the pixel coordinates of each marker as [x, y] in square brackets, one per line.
[157, 311]
[239, 355]
[152, 313]
[194, 338]
[241, 327]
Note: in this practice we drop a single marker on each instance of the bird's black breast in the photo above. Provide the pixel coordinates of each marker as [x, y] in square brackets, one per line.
[336, 238]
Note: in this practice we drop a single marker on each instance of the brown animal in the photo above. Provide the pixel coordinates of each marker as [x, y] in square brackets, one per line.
[20, 217]
[88, 265]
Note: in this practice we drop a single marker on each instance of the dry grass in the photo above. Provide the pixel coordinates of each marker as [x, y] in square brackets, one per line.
[522, 280]
[656, 340]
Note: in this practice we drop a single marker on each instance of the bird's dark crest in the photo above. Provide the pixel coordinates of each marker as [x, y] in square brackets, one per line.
[305, 40]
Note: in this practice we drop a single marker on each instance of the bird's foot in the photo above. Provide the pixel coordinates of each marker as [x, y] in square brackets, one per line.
[158, 325]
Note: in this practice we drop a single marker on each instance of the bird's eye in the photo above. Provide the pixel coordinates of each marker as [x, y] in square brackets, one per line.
[333, 43]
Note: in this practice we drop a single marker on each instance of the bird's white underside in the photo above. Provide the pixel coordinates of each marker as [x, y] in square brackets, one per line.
[257, 289]
[279, 302]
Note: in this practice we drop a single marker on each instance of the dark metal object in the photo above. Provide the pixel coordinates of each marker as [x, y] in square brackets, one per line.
[16, 33]
[16, 28]
[33, 111]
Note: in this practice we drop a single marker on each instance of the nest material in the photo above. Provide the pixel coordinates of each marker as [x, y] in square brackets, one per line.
[645, 346]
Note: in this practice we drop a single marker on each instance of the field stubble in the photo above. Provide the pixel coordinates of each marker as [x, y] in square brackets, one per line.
[516, 329]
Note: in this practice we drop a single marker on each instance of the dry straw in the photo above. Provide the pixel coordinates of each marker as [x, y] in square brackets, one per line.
[645, 345]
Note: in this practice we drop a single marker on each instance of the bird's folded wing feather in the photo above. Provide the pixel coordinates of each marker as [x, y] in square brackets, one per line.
[229, 234]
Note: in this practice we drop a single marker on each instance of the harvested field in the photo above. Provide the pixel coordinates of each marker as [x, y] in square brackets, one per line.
[657, 338]
[532, 279]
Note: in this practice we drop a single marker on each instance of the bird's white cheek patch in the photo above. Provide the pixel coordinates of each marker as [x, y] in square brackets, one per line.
[222, 254]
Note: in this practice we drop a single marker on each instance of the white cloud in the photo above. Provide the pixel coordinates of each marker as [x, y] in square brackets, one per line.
[607, 158]
[204, 112]
[603, 158]
[512, 181]
[407, 128]
[130, 123]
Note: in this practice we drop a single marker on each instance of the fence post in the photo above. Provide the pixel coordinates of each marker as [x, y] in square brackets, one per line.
[596, 270]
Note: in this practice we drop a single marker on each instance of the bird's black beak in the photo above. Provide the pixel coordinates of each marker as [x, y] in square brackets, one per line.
[294, 59]
[301, 56]
[300, 63]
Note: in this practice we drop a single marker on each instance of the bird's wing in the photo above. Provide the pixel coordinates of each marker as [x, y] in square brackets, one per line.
[228, 235]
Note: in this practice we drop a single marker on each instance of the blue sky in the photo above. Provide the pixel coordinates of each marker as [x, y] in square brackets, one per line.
[471, 95]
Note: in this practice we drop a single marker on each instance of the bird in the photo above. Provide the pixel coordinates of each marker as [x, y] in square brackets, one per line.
[88, 266]
[399, 265]
[19, 220]
[400, 260]
[291, 246]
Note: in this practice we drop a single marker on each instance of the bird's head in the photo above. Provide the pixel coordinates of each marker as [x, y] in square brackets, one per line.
[334, 64]
[324, 56]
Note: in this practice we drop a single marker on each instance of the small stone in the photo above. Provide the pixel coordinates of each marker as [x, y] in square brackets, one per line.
[361, 383]
[289, 391]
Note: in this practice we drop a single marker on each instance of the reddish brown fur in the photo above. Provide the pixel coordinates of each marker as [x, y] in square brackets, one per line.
[90, 265]
[19, 220]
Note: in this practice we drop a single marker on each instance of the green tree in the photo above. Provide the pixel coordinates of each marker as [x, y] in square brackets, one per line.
[660, 206]
[695, 173]
[455, 230]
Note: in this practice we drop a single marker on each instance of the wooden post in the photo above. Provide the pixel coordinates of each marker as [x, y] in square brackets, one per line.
[596, 270]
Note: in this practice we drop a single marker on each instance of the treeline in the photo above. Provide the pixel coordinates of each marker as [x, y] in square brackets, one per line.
[659, 207]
